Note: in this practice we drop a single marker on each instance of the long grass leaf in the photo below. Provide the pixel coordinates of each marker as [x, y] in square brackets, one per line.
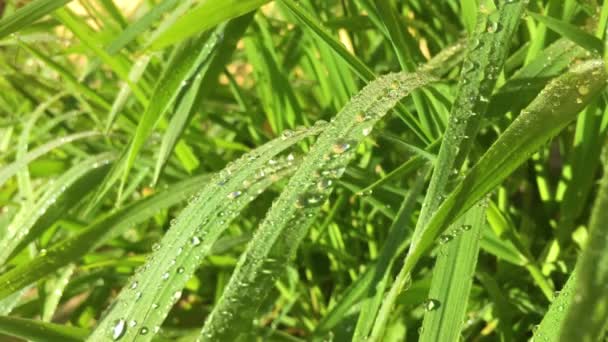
[28, 15]
[586, 321]
[213, 12]
[191, 238]
[37, 331]
[286, 224]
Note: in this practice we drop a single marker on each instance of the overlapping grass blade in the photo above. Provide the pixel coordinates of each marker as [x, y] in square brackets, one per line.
[155, 288]
[585, 319]
[28, 15]
[374, 280]
[107, 227]
[453, 277]
[555, 107]
[184, 62]
[286, 224]
[37, 331]
[550, 327]
[10, 170]
[203, 17]
[580, 37]
[135, 29]
[61, 195]
[486, 55]
[200, 87]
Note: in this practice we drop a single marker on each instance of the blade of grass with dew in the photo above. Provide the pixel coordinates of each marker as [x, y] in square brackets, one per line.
[586, 321]
[142, 24]
[93, 236]
[453, 277]
[486, 55]
[555, 107]
[213, 12]
[575, 34]
[28, 14]
[550, 326]
[38, 331]
[373, 282]
[54, 289]
[286, 224]
[190, 238]
[60, 196]
[200, 87]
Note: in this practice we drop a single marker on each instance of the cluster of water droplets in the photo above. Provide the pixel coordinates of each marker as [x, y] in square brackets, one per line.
[177, 261]
[292, 213]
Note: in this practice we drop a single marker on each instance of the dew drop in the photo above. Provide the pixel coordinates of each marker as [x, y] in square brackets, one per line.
[234, 194]
[195, 240]
[134, 285]
[340, 147]
[366, 131]
[431, 304]
[324, 184]
[143, 331]
[583, 90]
[493, 27]
[180, 270]
[287, 134]
[132, 323]
[119, 329]
[466, 227]
[445, 238]
[156, 247]
[579, 100]
[165, 276]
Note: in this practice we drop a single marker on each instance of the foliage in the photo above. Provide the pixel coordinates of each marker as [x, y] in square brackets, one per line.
[303, 170]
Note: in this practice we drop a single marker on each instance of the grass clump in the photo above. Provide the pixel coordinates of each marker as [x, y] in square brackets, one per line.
[303, 170]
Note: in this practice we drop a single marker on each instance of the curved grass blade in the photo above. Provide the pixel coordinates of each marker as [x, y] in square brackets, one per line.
[28, 14]
[62, 194]
[555, 107]
[203, 17]
[200, 87]
[184, 63]
[104, 229]
[485, 59]
[11, 169]
[375, 278]
[286, 224]
[155, 288]
[580, 37]
[54, 289]
[142, 24]
[550, 327]
[37, 331]
[585, 319]
[453, 277]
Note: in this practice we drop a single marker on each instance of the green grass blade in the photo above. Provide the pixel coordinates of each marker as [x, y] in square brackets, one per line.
[203, 17]
[62, 194]
[93, 236]
[586, 321]
[376, 277]
[486, 56]
[286, 224]
[28, 14]
[142, 24]
[10, 170]
[37, 331]
[191, 237]
[580, 37]
[546, 116]
[550, 327]
[200, 87]
[184, 63]
[453, 277]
